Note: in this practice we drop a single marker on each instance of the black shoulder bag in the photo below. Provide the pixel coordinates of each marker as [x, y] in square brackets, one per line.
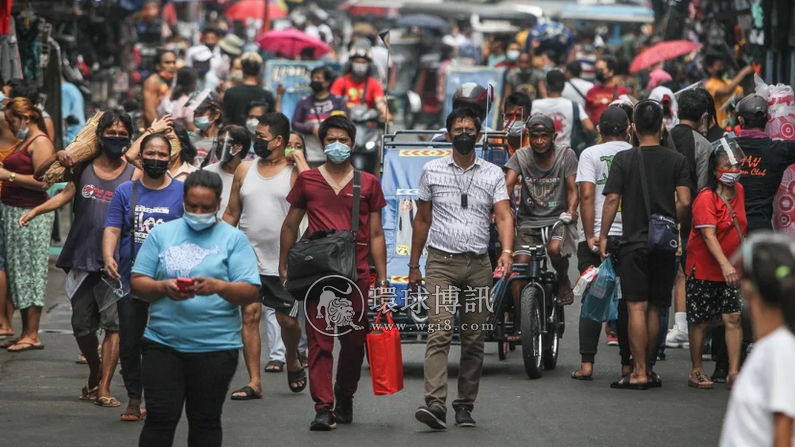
[580, 140]
[325, 253]
[663, 235]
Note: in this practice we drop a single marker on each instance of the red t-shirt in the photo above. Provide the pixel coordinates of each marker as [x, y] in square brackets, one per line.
[327, 210]
[352, 91]
[710, 211]
[599, 98]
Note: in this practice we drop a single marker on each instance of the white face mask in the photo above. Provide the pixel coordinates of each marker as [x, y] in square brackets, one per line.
[359, 68]
[729, 178]
[251, 125]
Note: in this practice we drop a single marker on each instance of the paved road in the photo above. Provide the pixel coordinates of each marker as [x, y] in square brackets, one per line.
[39, 406]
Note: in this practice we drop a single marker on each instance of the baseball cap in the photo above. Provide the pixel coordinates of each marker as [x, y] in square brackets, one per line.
[202, 99]
[752, 106]
[200, 53]
[613, 119]
[541, 123]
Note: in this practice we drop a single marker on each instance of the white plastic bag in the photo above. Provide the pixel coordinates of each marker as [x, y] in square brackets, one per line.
[587, 277]
[780, 112]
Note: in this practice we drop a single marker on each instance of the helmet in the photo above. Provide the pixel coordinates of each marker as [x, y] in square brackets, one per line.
[360, 51]
[473, 96]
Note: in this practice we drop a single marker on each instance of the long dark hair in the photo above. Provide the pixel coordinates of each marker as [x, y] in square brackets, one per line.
[186, 82]
[772, 270]
[189, 152]
[155, 136]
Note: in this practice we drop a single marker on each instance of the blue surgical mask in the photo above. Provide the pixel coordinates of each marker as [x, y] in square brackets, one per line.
[338, 152]
[199, 222]
[23, 133]
[202, 122]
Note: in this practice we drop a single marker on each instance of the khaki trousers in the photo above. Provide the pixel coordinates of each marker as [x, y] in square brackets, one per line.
[455, 282]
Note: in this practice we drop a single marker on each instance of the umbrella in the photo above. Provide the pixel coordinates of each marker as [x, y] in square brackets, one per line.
[291, 42]
[255, 9]
[423, 21]
[662, 52]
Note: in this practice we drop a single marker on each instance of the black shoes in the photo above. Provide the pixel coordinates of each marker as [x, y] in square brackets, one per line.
[720, 374]
[463, 418]
[324, 420]
[344, 408]
[433, 416]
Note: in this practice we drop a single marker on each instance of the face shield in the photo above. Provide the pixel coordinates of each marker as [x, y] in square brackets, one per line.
[729, 148]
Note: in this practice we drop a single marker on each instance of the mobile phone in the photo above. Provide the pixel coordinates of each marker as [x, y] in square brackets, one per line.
[184, 283]
[499, 272]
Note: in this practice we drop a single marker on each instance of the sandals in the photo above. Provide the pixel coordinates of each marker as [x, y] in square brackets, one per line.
[699, 380]
[297, 377]
[25, 347]
[9, 343]
[246, 393]
[576, 376]
[304, 359]
[131, 415]
[625, 384]
[566, 298]
[274, 366]
[654, 380]
[89, 395]
[106, 401]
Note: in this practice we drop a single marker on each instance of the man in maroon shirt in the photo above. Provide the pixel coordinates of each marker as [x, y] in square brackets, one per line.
[606, 90]
[325, 195]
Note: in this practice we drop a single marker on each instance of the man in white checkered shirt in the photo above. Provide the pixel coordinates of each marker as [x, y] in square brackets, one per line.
[457, 195]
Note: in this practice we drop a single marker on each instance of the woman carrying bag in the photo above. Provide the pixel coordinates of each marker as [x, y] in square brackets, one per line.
[719, 228]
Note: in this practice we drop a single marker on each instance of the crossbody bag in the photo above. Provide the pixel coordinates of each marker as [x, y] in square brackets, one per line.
[663, 235]
[325, 253]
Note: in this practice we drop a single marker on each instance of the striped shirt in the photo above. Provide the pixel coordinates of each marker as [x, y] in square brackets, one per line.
[457, 229]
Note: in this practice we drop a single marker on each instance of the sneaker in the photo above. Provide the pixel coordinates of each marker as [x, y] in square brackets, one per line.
[612, 339]
[677, 338]
[463, 418]
[720, 375]
[344, 407]
[433, 416]
[324, 421]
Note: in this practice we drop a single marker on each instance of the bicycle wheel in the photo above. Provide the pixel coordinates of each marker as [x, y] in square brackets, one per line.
[552, 342]
[531, 332]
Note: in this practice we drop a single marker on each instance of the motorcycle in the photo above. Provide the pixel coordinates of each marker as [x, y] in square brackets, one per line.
[369, 132]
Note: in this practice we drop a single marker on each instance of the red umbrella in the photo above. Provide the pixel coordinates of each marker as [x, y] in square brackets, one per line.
[662, 52]
[291, 42]
[255, 9]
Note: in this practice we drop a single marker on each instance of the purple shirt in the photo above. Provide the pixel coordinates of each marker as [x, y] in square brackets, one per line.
[310, 112]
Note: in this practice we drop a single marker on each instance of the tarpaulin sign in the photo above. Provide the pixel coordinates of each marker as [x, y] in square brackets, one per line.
[385, 355]
[295, 77]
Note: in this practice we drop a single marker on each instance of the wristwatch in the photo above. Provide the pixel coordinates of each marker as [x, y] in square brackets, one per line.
[12, 177]
[510, 252]
[413, 266]
[383, 283]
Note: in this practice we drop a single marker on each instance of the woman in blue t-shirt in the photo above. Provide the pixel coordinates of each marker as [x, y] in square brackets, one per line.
[191, 343]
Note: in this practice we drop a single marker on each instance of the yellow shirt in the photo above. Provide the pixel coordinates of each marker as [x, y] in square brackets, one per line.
[712, 86]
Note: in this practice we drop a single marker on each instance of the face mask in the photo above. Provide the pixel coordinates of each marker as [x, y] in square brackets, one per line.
[729, 178]
[115, 147]
[202, 122]
[203, 71]
[588, 48]
[211, 47]
[516, 128]
[464, 144]
[22, 133]
[337, 152]
[289, 150]
[236, 76]
[721, 73]
[155, 168]
[600, 76]
[316, 86]
[359, 69]
[252, 124]
[513, 55]
[199, 222]
[261, 148]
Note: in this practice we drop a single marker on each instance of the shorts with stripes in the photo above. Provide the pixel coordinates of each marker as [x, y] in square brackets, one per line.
[274, 295]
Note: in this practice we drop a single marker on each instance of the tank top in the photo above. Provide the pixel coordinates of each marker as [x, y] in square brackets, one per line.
[14, 194]
[83, 247]
[265, 207]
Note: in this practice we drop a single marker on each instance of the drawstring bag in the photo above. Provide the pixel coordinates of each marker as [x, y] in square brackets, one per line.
[601, 302]
[385, 354]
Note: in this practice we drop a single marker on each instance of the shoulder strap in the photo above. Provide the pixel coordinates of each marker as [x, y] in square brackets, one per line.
[734, 217]
[643, 184]
[364, 92]
[357, 192]
[615, 92]
[576, 89]
[132, 221]
[575, 115]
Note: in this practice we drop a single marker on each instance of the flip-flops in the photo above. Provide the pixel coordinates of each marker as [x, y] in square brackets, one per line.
[625, 384]
[107, 401]
[654, 380]
[89, 395]
[297, 377]
[27, 347]
[274, 366]
[575, 376]
[133, 415]
[248, 393]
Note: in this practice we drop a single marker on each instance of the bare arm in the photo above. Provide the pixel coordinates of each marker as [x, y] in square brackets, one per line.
[542, 89]
[288, 237]
[572, 196]
[41, 151]
[511, 177]
[609, 210]
[234, 208]
[378, 244]
[237, 293]
[682, 202]
[297, 157]
[728, 270]
[49, 128]
[110, 240]
[422, 225]
[783, 426]
[732, 85]
[504, 220]
[151, 98]
[588, 210]
[55, 202]
[587, 124]
[158, 126]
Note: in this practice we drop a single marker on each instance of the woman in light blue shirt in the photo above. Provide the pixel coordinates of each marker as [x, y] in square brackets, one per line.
[191, 343]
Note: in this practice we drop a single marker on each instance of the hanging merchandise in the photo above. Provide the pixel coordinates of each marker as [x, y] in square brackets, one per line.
[50, 90]
[10, 64]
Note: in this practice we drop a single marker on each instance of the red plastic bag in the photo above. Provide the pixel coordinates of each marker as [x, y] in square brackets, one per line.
[385, 354]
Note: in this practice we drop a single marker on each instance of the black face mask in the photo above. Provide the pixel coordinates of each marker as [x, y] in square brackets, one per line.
[317, 86]
[115, 147]
[211, 47]
[600, 76]
[464, 144]
[155, 168]
[261, 148]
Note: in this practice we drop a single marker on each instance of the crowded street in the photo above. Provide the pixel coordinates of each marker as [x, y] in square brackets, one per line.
[435, 222]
